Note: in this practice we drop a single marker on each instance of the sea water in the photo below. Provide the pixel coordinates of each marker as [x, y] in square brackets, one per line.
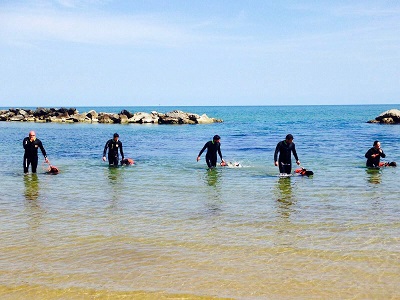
[168, 228]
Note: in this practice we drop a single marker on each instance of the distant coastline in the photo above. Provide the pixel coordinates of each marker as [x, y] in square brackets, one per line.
[72, 115]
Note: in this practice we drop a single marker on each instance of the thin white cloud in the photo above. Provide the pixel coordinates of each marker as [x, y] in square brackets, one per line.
[85, 22]
[357, 29]
[353, 9]
[30, 26]
[368, 11]
[67, 3]
[81, 3]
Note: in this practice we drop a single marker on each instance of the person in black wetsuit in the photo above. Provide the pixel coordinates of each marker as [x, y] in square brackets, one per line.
[285, 148]
[113, 145]
[374, 155]
[31, 145]
[213, 147]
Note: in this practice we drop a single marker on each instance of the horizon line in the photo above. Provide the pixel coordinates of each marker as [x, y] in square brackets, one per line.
[159, 105]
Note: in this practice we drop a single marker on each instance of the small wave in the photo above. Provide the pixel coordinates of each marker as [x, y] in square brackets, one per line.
[253, 149]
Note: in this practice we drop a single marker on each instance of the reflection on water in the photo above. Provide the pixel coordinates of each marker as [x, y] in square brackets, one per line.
[213, 200]
[115, 183]
[213, 176]
[33, 208]
[31, 183]
[374, 176]
[284, 195]
[113, 176]
[170, 226]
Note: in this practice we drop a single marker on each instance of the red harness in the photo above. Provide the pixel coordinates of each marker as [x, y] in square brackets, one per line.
[304, 172]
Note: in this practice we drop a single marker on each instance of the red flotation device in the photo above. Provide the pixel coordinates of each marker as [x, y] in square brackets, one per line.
[387, 164]
[304, 172]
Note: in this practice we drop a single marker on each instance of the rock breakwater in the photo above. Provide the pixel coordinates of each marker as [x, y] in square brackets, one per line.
[72, 115]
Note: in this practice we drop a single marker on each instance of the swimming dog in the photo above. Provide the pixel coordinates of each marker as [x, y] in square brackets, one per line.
[304, 172]
[127, 162]
[53, 170]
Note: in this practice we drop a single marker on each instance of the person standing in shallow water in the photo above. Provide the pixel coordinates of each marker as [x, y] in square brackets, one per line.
[31, 145]
[374, 155]
[285, 149]
[113, 145]
[213, 147]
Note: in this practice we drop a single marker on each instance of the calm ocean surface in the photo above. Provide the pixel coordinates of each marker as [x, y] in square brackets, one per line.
[167, 228]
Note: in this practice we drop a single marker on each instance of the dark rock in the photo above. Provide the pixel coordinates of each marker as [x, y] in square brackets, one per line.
[40, 112]
[62, 110]
[72, 111]
[74, 119]
[92, 114]
[168, 120]
[126, 113]
[115, 118]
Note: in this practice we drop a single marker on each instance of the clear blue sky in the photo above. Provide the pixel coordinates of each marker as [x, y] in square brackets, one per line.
[208, 52]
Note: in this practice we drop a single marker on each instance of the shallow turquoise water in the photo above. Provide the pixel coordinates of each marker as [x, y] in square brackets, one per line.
[167, 224]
